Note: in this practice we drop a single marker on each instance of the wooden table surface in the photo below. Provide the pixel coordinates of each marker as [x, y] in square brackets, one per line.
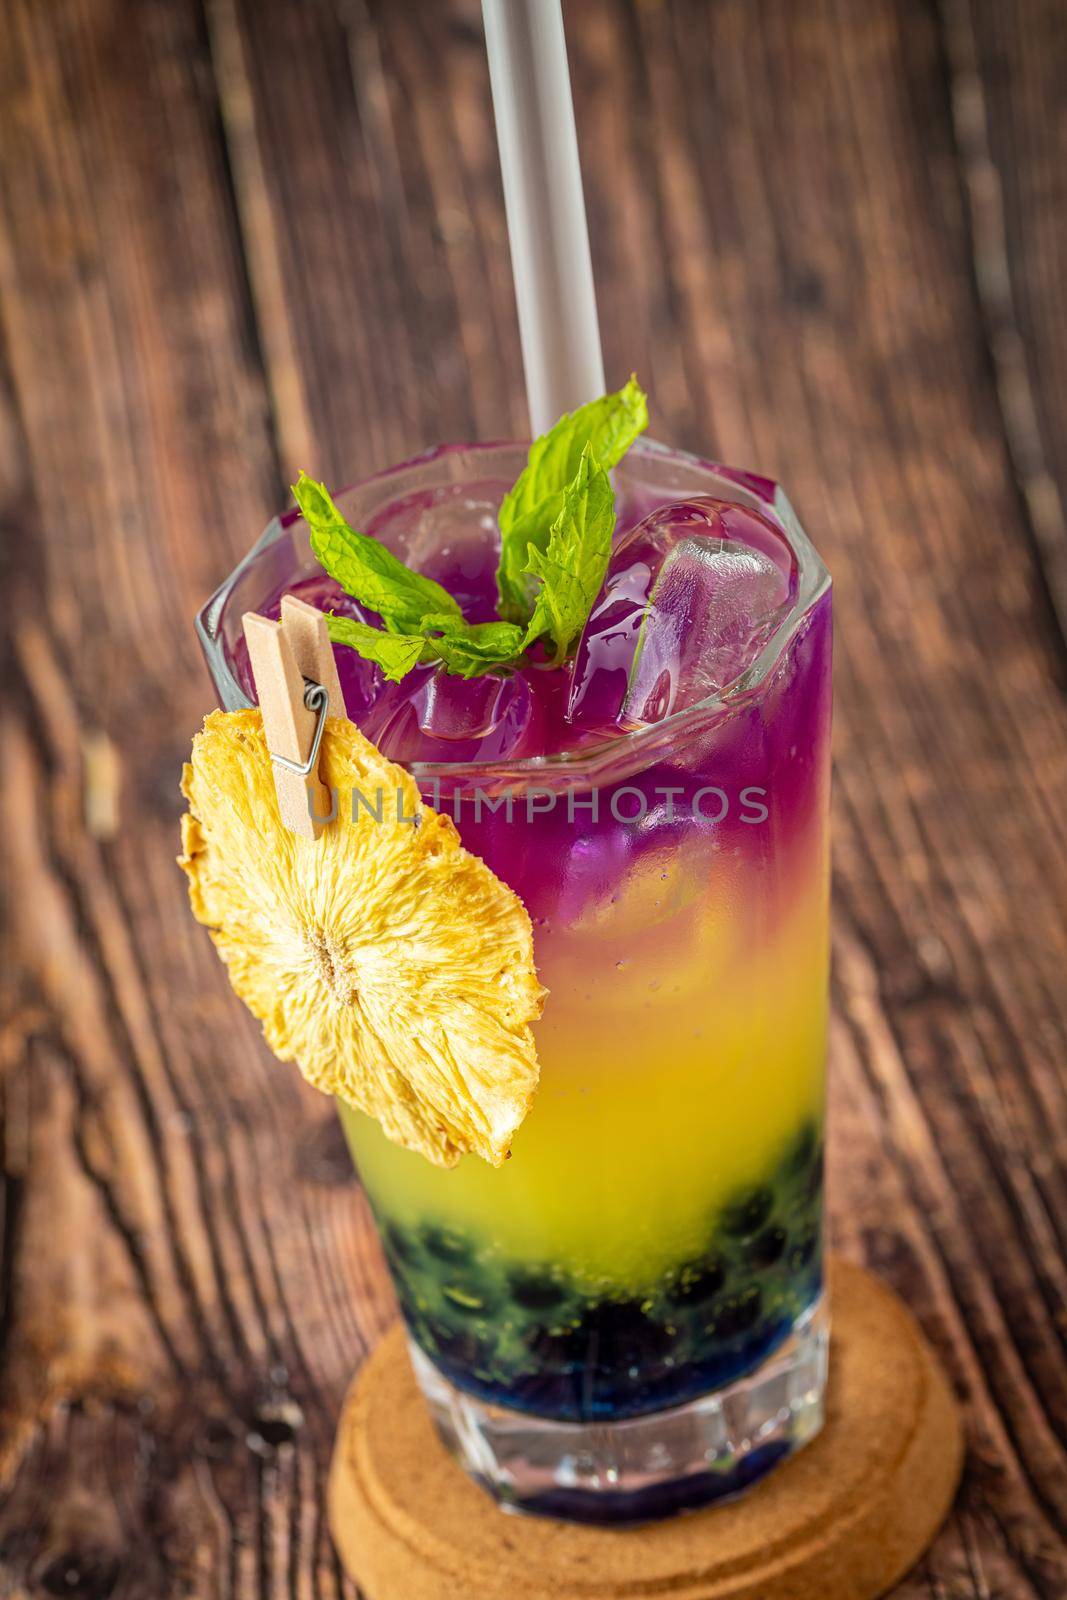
[241, 236]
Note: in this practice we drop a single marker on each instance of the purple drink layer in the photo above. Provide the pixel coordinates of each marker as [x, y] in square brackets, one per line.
[697, 587]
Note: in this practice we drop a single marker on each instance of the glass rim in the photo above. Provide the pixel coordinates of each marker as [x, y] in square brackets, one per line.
[813, 582]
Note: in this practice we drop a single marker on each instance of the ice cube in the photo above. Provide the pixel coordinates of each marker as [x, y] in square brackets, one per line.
[731, 558]
[712, 607]
[455, 708]
[433, 716]
[605, 653]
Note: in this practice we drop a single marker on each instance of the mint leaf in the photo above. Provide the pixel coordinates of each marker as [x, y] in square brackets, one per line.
[573, 565]
[466, 649]
[474, 648]
[610, 425]
[364, 568]
[395, 653]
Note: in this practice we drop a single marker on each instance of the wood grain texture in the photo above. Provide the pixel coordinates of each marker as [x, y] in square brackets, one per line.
[249, 235]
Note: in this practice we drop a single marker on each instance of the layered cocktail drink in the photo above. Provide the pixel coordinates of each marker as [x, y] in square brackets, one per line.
[625, 1318]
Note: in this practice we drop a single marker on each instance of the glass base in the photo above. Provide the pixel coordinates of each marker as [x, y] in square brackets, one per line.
[645, 1467]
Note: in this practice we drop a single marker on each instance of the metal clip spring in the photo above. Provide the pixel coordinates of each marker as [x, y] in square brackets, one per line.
[317, 699]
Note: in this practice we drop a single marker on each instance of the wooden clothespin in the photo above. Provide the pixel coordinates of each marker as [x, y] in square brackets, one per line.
[298, 688]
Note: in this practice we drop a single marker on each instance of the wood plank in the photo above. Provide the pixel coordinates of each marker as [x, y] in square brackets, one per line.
[167, 1412]
[1008, 65]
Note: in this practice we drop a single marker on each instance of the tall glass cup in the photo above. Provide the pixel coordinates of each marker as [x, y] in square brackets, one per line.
[627, 1318]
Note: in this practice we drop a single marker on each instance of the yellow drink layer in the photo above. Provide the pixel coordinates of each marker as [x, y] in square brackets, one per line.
[682, 1047]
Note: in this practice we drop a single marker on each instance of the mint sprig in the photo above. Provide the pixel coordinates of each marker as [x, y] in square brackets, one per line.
[556, 526]
[609, 427]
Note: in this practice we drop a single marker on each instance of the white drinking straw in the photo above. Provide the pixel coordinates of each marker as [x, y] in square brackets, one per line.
[545, 208]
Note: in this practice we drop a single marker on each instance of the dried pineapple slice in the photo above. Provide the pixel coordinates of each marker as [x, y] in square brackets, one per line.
[384, 959]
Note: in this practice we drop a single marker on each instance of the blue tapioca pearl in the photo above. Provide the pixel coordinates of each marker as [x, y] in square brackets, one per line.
[621, 1334]
[767, 1247]
[535, 1291]
[697, 1282]
[460, 1345]
[609, 1336]
[746, 1213]
[738, 1313]
[557, 1347]
[447, 1246]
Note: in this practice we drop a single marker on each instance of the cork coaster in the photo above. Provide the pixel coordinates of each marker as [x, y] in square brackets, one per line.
[842, 1520]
